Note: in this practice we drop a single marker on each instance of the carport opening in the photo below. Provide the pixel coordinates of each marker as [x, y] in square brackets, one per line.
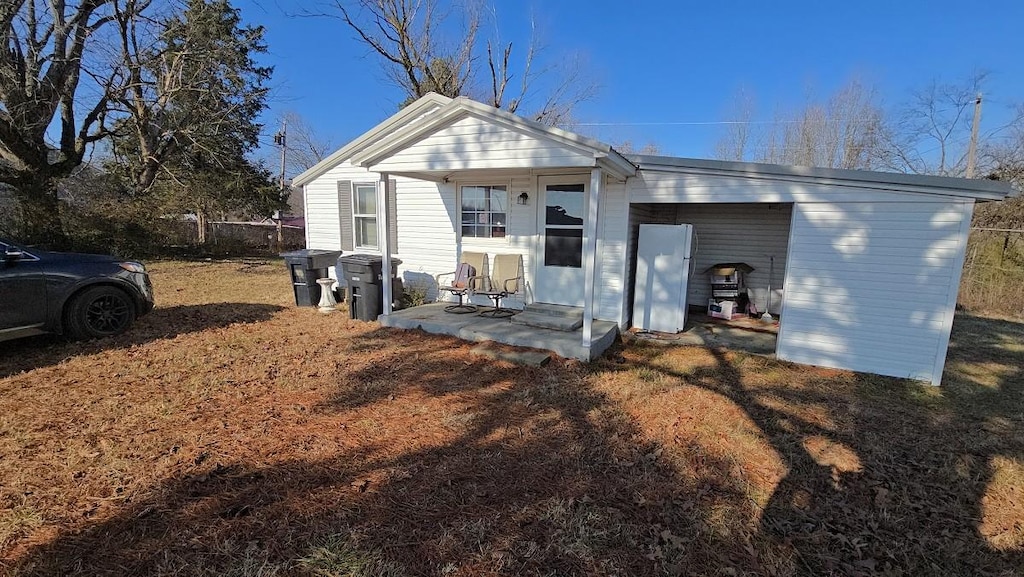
[752, 233]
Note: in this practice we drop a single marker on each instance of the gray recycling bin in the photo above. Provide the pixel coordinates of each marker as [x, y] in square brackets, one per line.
[306, 266]
[362, 273]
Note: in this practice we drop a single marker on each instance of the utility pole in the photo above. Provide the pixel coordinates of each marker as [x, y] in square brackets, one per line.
[972, 150]
[281, 139]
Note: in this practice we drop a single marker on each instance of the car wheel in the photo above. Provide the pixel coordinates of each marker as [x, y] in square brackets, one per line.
[100, 311]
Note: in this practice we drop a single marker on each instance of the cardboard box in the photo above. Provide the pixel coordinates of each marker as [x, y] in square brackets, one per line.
[723, 309]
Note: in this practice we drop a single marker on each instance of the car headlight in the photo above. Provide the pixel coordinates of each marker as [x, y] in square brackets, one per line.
[132, 266]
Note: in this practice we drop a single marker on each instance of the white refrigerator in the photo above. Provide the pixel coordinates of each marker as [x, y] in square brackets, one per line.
[662, 274]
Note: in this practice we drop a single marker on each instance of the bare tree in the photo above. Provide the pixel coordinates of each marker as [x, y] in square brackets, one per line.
[42, 45]
[930, 132]
[839, 132]
[626, 147]
[305, 146]
[404, 33]
[842, 132]
[736, 141]
[421, 55]
[1001, 155]
[162, 76]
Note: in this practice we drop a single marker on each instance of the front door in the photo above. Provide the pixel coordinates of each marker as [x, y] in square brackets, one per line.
[563, 210]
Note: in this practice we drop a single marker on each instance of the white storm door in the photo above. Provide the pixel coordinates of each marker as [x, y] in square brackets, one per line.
[562, 211]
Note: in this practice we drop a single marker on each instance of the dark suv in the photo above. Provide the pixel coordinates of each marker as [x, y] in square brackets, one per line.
[80, 295]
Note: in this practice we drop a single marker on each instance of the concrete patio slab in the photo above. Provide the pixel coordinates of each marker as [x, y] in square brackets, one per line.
[433, 319]
[746, 335]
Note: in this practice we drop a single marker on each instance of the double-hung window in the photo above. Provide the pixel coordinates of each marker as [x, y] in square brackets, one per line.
[364, 215]
[484, 211]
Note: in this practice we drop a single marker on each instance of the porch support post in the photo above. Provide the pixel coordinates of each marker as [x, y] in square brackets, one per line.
[383, 238]
[590, 253]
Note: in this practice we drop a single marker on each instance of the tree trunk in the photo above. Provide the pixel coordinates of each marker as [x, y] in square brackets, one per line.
[40, 212]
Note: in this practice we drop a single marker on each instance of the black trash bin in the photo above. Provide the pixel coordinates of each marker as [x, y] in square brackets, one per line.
[362, 273]
[306, 266]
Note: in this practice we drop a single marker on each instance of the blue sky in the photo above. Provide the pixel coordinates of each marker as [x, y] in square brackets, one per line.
[669, 70]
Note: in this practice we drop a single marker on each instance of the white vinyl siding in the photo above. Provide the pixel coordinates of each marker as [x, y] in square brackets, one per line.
[426, 231]
[425, 214]
[612, 254]
[872, 287]
[323, 230]
[428, 216]
[870, 268]
[750, 233]
[475, 144]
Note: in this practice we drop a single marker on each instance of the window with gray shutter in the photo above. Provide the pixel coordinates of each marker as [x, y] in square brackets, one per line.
[357, 212]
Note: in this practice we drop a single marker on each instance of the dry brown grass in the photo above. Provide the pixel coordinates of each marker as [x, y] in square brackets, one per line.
[230, 433]
[993, 277]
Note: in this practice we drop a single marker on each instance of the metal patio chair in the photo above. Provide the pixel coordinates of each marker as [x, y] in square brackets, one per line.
[462, 282]
[506, 279]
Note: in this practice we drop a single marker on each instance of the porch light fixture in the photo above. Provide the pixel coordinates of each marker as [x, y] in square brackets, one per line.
[523, 199]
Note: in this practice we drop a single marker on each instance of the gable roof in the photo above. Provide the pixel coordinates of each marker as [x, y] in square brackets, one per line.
[422, 106]
[433, 112]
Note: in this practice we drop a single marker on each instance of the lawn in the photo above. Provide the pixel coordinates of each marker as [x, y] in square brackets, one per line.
[230, 433]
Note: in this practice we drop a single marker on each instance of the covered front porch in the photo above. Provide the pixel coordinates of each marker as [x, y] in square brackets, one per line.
[510, 188]
[433, 319]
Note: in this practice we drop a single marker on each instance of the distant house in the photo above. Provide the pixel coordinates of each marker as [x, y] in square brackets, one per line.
[866, 264]
[295, 215]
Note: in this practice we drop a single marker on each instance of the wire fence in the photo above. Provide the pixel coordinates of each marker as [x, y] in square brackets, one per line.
[993, 279]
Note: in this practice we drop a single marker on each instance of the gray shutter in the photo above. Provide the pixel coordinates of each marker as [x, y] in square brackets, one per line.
[345, 214]
[392, 216]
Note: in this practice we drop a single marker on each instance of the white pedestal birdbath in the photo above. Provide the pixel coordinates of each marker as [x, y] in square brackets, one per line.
[327, 302]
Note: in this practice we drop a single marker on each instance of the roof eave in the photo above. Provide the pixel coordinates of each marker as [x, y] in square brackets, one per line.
[979, 189]
[423, 105]
[617, 165]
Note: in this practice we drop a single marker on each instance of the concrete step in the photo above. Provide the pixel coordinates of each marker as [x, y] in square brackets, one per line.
[546, 321]
[554, 310]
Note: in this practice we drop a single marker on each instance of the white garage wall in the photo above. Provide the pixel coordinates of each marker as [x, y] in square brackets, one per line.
[872, 286]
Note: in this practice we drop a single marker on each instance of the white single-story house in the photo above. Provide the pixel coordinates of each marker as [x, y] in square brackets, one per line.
[866, 265]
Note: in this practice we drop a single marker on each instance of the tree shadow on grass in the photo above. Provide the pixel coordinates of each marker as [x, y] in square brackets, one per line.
[886, 476]
[161, 323]
[537, 471]
[525, 471]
